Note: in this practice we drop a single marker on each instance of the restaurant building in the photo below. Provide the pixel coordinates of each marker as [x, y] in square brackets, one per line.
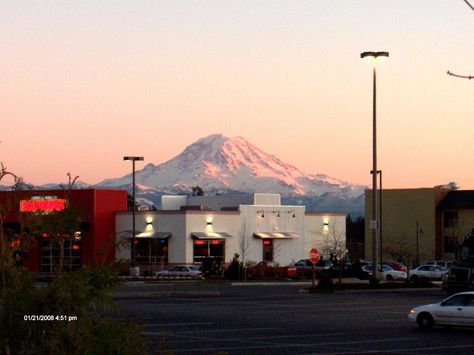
[258, 227]
[92, 242]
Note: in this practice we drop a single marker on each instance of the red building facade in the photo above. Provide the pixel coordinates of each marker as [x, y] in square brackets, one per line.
[93, 242]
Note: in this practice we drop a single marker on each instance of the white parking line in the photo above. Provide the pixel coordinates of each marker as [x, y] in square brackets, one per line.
[192, 339]
[210, 331]
[398, 350]
[173, 324]
[267, 345]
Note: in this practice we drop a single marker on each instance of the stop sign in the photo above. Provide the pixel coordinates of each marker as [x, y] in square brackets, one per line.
[314, 255]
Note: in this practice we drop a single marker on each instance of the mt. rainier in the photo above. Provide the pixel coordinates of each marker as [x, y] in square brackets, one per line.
[220, 164]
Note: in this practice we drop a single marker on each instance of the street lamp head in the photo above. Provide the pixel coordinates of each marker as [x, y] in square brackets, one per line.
[133, 158]
[374, 57]
[373, 54]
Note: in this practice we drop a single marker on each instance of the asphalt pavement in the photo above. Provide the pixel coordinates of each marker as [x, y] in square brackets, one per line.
[284, 318]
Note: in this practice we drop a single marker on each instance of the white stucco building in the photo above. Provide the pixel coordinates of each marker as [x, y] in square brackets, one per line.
[256, 226]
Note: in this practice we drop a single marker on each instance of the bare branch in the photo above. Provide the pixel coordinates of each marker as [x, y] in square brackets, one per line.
[468, 4]
[461, 76]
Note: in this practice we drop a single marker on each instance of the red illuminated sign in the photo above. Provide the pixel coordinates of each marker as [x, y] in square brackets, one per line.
[42, 205]
[199, 242]
[15, 243]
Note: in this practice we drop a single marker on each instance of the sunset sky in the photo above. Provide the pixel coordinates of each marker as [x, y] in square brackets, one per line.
[83, 83]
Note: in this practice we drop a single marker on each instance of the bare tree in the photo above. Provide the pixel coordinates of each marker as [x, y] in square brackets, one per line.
[457, 75]
[401, 249]
[5, 209]
[59, 225]
[335, 247]
[244, 245]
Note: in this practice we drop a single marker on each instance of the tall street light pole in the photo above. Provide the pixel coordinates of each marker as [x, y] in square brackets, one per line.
[379, 172]
[132, 248]
[380, 218]
[374, 225]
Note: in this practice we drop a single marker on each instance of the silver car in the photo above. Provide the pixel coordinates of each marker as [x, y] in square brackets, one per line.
[457, 310]
[181, 272]
[427, 273]
[389, 272]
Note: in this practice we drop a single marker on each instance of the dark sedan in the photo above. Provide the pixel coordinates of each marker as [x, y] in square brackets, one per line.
[304, 267]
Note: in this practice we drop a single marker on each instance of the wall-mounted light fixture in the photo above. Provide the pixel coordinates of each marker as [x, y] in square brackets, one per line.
[209, 228]
[277, 212]
[325, 225]
[149, 224]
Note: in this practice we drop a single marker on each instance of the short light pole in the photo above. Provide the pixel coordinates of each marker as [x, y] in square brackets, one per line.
[419, 230]
[132, 248]
[374, 225]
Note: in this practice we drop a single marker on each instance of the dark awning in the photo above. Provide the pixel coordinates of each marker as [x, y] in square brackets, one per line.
[156, 235]
[212, 235]
[276, 235]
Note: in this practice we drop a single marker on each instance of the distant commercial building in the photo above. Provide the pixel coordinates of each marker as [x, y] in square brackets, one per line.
[94, 238]
[188, 229]
[421, 224]
[255, 226]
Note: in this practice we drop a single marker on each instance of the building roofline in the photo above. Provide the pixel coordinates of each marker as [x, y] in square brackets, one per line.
[326, 214]
[180, 212]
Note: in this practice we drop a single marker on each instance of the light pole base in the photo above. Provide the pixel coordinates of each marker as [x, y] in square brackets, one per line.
[134, 271]
[373, 282]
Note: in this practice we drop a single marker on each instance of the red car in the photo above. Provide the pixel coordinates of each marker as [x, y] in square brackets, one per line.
[396, 266]
[270, 269]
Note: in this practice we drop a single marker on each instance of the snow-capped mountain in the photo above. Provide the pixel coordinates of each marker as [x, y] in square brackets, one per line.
[222, 164]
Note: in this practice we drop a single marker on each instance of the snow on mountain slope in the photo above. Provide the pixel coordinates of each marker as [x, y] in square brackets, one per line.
[221, 163]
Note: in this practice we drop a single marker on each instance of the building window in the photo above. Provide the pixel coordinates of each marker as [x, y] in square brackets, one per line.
[450, 219]
[50, 255]
[151, 251]
[267, 249]
[209, 248]
[450, 244]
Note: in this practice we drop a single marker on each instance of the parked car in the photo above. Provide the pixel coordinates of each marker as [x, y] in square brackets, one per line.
[181, 271]
[270, 269]
[427, 273]
[457, 310]
[304, 267]
[396, 266]
[443, 263]
[390, 273]
[335, 270]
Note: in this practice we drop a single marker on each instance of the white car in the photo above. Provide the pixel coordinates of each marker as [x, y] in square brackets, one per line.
[181, 271]
[427, 273]
[457, 310]
[390, 273]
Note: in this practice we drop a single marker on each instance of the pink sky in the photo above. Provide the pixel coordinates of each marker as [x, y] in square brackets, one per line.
[85, 83]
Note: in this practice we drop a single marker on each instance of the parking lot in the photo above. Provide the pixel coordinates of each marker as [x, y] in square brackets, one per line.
[213, 318]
